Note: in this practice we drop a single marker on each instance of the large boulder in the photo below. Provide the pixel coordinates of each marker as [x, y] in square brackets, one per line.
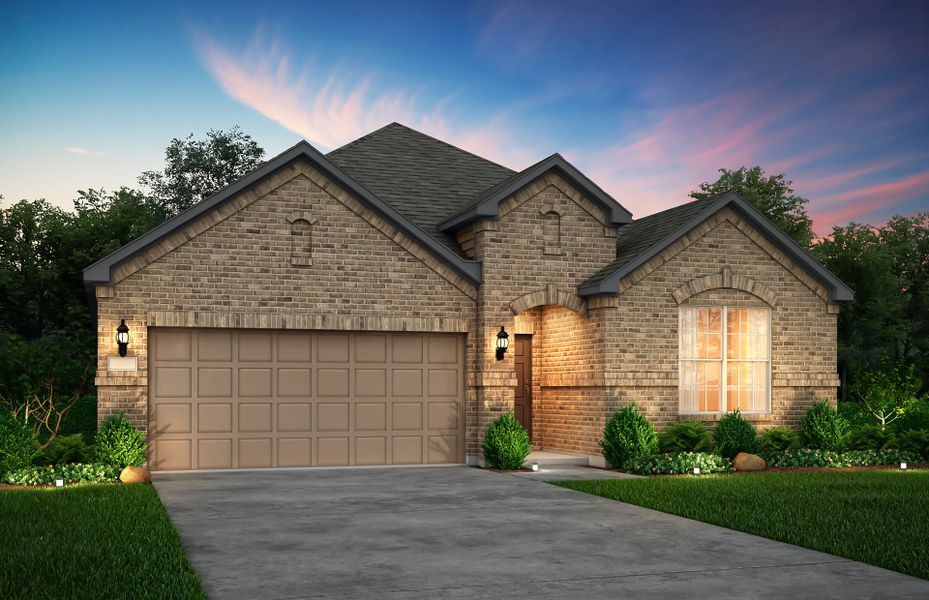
[748, 462]
[135, 475]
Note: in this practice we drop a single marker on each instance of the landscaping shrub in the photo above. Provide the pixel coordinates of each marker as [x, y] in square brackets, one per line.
[855, 414]
[119, 444]
[871, 437]
[76, 473]
[828, 458]
[822, 428]
[17, 446]
[66, 449]
[917, 417]
[778, 439]
[628, 434]
[506, 443]
[734, 434]
[685, 436]
[916, 441]
[83, 416]
[677, 463]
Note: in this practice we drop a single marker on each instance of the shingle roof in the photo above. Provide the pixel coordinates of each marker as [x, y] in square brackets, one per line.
[426, 179]
[640, 235]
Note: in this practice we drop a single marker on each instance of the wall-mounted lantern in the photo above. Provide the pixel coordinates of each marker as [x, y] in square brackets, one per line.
[503, 342]
[122, 337]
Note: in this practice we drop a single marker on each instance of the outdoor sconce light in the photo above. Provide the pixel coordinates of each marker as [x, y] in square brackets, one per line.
[503, 342]
[122, 337]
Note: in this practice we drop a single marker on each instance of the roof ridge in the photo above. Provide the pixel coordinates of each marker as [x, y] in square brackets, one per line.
[366, 136]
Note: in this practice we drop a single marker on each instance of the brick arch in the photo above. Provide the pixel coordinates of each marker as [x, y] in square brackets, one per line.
[301, 216]
[725, 279]
[549, 295]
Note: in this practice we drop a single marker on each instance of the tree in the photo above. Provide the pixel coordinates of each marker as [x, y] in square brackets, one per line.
[889, 391]
[772, 195]
[196, 168]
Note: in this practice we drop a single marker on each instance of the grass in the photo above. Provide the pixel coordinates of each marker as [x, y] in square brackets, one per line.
[91, 541]
[877, 517]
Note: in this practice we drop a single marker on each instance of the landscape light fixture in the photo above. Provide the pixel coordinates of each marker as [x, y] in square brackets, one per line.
[503, 342]
[696, 470]
[59, 483]
[903, 466]
[535, 466]
[122, 337]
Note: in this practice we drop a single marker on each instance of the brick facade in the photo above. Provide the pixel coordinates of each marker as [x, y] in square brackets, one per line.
[235, 267]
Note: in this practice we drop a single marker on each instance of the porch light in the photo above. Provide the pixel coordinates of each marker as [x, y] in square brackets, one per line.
[503, 342]
[122, 337]
[696, 470]
[903, 466]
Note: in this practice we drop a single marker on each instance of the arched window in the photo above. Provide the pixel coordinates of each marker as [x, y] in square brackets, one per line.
[301, 239]
[551, 232]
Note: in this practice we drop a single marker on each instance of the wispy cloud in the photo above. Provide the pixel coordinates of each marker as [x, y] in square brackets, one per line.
[83, 151]
[332, 107]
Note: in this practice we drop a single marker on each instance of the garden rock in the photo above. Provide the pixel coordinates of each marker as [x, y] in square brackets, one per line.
[135, 475]
[748, 462]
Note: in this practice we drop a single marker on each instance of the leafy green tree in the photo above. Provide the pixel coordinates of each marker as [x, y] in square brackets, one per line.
[772, 195]
[196, 168]
[889, 391]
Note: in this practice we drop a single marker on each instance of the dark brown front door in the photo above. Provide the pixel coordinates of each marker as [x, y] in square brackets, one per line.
[523, 406]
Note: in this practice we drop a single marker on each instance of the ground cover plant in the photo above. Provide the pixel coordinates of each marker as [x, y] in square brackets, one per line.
[851, 458]
[677, 463]
[871, 516]
[68, 473]
[101, 541]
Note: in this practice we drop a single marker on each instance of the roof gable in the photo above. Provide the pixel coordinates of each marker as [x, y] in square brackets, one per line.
[645, 238]
[100, 273]
[484, 205]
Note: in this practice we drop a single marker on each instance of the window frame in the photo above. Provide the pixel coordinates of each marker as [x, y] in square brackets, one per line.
[724, 360]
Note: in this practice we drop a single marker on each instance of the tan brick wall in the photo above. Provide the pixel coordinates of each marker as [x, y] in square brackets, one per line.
[237, 272]
[642, 334]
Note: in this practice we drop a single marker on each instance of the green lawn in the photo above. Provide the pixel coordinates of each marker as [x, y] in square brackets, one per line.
[877, 517]
[91, 541]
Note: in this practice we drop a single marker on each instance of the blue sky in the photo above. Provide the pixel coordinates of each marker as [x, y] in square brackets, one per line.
[649, 99]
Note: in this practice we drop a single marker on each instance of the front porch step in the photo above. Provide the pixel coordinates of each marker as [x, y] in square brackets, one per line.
[548, 459]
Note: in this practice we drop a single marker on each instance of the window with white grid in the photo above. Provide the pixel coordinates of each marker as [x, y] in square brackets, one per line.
[725, 360]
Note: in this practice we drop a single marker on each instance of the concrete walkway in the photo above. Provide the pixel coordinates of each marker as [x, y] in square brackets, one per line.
[460, 532]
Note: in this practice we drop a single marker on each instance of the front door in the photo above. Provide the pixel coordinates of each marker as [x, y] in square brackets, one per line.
[523, 406]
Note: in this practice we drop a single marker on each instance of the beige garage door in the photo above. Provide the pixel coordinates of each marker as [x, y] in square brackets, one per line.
[227, 399]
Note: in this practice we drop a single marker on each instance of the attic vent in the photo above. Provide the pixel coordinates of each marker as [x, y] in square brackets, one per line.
[301, 239]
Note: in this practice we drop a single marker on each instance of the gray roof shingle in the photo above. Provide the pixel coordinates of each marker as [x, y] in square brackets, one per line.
[425, 179]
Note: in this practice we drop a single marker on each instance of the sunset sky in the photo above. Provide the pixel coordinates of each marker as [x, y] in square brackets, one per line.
[649, 99]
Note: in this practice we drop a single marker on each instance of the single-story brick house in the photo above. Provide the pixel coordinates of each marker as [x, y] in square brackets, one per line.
[344, 309]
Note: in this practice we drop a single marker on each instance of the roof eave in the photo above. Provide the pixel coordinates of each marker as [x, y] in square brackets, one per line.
[487, 208]
[837, 290]
[100, 272]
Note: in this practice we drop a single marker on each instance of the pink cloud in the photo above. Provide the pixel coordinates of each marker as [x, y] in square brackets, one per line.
[859, 203]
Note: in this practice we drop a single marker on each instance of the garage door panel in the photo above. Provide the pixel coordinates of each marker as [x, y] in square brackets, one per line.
[332, 452]
[294, 452]
[255, 417]
[254, 453]
[214, 346]
[214, 382]
[173, 382]
[214, 417]
[228, 398]
[170, 418]
[214, 453]
[171, 455]
[294, 416]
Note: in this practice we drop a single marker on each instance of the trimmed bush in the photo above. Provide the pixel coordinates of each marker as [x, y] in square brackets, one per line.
[734, 434]
[871, 437]
[917, 417]
[76, 473]
[506, 443]
[916, 441]
[66, 449]
[685, 436]
[628, 434]
[855, 414]
[828, 458]
[17, 446]
[822, 428]
[119, 444]
[677, 463]
[778, 439]
[82, 417]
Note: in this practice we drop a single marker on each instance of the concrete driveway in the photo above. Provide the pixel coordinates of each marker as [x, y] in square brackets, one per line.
[459, 532]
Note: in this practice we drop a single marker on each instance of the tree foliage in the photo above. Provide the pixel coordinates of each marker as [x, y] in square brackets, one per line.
[772, 195]
[196, 168]
[888, 391]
